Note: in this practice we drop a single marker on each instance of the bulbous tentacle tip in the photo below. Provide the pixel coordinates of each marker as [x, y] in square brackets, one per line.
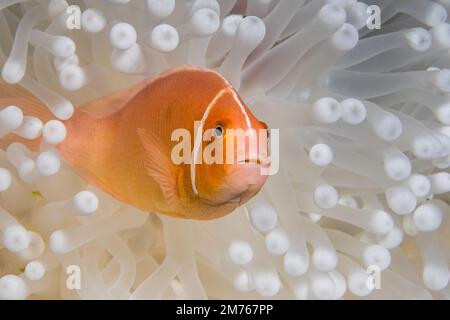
[161, 8]
[13, 287]
[164, 38]
[34, 270]
[436, 278]
[85, 203]
[93, 20]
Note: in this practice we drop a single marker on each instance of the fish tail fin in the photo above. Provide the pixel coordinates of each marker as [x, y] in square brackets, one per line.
[15, 95]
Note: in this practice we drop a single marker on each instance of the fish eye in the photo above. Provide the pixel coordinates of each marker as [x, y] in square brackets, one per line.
[218, 131]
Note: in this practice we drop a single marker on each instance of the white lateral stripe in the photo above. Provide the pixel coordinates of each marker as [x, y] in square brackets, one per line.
[199, 137]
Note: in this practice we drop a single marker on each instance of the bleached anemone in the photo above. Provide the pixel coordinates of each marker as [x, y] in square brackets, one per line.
[363, 187]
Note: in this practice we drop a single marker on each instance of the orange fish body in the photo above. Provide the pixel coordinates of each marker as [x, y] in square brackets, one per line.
[122, 144]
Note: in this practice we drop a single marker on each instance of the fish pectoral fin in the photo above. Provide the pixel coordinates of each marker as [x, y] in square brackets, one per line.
[159, 165]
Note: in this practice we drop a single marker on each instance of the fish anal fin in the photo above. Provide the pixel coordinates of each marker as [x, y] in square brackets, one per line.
[159, 165]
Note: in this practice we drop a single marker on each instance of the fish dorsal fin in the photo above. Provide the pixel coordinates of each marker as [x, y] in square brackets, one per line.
[105, 106]
[108, 105]
[159, 165]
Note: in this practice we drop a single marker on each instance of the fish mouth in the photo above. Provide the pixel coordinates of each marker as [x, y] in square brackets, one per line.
[234, 201]
[237, 200]
[262, 161]
[246, 195]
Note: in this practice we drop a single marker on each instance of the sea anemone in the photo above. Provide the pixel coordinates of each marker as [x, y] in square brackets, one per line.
[359, 208]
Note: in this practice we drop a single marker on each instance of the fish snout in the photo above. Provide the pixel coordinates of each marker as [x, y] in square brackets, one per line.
[240, 185]
[249, 179]
[251, 191]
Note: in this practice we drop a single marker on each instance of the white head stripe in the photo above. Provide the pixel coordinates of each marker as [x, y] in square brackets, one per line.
[199, 137]
[247, 119]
